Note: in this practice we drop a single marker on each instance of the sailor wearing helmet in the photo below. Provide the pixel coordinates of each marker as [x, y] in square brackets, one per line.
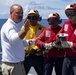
[33, 58]
[54, 53]
[69, 28]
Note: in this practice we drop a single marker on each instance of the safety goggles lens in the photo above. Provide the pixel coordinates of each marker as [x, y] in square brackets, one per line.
[70, 13]
[53, 20]
[32, 17]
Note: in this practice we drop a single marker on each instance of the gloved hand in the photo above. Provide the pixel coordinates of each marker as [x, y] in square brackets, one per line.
[57, 44]
[31, 41]
[48, 46]
[67, 44]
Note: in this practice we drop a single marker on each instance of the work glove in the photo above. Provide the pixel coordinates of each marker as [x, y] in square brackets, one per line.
[31, 41]
[57, 44]
[48, 46]
[67, 44]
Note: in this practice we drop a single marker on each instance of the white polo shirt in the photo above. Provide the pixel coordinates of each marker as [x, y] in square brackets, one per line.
[12, 45]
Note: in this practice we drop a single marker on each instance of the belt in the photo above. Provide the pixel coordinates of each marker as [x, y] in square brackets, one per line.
[12, 62]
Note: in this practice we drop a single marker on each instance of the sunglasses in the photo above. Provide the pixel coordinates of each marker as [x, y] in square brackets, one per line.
[70, 13]
[32, 17]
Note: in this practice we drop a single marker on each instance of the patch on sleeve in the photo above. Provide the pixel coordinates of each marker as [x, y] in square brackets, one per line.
[66, 27]
[47, 33]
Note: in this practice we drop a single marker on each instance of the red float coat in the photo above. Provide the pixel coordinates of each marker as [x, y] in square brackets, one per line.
[70, 29]
[47, 36]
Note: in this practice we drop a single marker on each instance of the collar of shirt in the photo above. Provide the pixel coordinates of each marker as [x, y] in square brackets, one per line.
[12, 21]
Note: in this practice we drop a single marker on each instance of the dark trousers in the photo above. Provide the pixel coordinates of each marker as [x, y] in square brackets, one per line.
[50, 62]
[34, 61]
[69, 66]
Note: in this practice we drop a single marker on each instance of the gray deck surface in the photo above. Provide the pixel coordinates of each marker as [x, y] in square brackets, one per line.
[32, 72]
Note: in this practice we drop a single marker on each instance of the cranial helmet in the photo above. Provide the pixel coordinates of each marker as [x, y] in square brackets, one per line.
[35, 12]
[70, 9]
[54, 18]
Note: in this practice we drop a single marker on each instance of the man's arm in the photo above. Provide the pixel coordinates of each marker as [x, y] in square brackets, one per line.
[24, 31]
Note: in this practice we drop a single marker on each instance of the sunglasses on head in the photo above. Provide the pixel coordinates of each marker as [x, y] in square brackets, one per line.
[32, 17]
[70, 13]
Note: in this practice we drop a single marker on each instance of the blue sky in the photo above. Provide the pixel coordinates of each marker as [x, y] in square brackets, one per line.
[45, 7]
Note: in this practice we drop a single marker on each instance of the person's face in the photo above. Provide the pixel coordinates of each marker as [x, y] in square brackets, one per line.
[33, 19]
[54, 25]
[72, 19]
[71, 16]
[17, 14]
[53, 22]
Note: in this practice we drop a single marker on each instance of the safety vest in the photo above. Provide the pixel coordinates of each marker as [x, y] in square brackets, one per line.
[33, 33]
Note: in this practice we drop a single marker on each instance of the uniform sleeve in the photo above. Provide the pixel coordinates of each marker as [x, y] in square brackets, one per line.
[40, 40]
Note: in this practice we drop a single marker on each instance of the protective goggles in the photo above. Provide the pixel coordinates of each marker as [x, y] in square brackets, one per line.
[52, 20]
[30, 17]
[70, 13]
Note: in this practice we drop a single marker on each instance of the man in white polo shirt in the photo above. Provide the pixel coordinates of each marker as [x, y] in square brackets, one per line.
[12, 44]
